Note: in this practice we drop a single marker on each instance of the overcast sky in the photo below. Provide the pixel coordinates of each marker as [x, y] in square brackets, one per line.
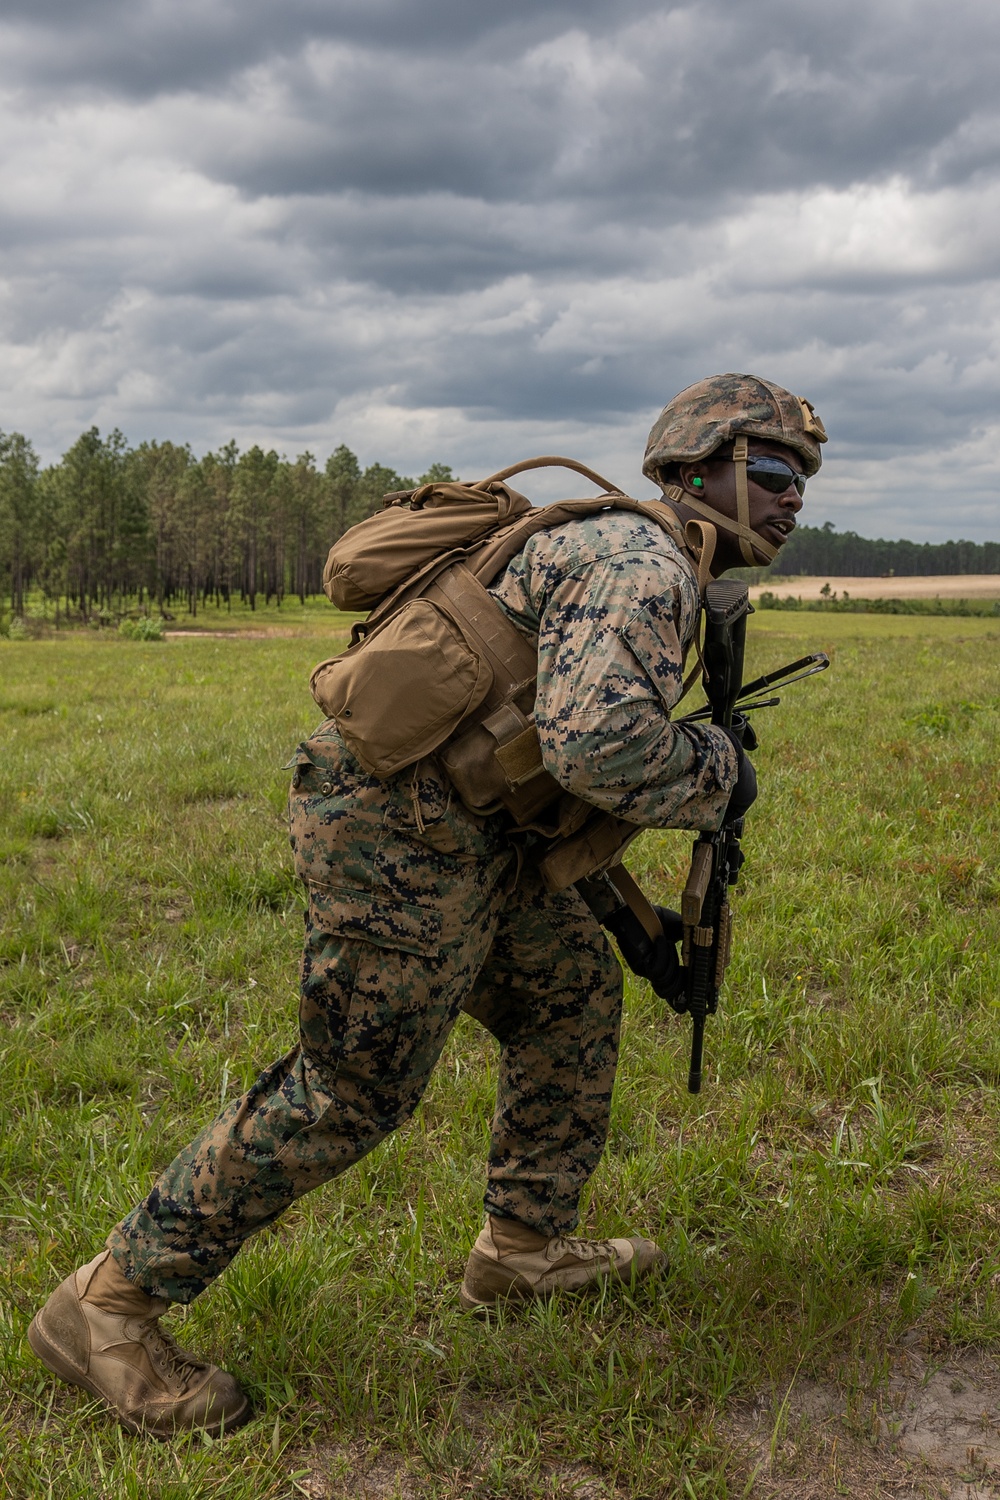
[467, 231]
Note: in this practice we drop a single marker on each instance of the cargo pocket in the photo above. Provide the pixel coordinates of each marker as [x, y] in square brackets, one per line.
[425, 812]
[375, 1002]
[376, 918]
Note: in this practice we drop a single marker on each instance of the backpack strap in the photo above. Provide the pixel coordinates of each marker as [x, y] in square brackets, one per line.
[513, 659]
[697, 540]
[491, 556]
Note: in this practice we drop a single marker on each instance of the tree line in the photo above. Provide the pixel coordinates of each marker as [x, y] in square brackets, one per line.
[111, 528]
[815, 550]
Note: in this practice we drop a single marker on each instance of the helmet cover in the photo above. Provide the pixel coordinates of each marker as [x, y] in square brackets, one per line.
[714, 411]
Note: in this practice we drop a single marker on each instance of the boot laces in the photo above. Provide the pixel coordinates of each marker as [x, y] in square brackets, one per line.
[171, 1361]
[569, 1244]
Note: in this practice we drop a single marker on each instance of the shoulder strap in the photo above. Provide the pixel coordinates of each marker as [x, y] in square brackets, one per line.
[513, 659]
[497, 550]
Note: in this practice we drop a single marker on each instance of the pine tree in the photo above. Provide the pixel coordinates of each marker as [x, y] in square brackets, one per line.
[19, 537]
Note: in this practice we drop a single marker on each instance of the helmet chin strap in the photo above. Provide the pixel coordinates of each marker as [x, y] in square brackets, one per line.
[748, 538]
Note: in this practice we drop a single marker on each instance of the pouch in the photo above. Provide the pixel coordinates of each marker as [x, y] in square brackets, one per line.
[405, 689]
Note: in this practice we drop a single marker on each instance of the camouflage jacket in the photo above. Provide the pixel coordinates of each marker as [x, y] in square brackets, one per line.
[613, 605]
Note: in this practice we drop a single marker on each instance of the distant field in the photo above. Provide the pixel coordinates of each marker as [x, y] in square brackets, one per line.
[940, 586]
[828, 1203]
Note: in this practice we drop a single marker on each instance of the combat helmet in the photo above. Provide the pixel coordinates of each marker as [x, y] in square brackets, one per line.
[731, 408]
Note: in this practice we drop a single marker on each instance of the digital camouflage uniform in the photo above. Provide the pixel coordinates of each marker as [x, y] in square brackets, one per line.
[417, 909]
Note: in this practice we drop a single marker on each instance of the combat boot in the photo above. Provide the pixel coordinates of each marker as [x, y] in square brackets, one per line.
[99, 1331]
[509, 1259]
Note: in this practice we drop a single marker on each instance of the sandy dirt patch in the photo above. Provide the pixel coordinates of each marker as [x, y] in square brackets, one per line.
[270, 632]
[934, 586]
[932, 1431]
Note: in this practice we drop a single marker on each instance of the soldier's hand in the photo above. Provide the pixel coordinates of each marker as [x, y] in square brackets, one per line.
[744, 793]
[656, 961]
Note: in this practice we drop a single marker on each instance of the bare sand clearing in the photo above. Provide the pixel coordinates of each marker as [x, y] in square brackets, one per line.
[934, 586]
[931, 1430]
[267, 633]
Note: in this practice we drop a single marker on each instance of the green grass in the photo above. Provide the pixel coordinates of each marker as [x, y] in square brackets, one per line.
[831, 1190]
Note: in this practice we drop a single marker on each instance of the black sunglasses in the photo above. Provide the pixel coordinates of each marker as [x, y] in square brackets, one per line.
[774, 475]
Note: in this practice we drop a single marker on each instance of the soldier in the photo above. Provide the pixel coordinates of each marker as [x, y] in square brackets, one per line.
[418, 909]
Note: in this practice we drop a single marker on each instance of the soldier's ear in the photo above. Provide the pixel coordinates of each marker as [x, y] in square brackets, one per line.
[690, 479]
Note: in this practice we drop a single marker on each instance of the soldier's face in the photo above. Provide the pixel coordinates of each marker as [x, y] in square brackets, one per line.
[771, 515]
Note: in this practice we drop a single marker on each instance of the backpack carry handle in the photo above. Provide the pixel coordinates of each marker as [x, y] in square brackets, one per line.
[550, 462]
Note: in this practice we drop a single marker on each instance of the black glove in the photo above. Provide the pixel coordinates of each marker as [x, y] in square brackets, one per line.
[656, 961]
[744, 793]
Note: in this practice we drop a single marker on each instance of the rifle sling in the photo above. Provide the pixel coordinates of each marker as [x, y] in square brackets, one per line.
[638, 904]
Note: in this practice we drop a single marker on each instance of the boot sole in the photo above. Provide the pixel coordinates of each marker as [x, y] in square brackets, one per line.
[479, 1306]
[55, 1362]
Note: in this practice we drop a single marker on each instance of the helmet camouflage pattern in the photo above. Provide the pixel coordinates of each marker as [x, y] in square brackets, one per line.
[714, 411]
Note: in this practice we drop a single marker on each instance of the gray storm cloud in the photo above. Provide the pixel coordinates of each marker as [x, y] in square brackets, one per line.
[459, 232]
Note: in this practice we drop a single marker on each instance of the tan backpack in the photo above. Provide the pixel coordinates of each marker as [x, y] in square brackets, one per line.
[438, 667]
[414, 528]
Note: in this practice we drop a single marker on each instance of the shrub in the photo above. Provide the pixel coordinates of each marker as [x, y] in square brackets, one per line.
[143, 629]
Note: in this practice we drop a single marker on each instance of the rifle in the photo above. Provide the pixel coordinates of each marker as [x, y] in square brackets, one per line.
[646, 934]
[717, 857]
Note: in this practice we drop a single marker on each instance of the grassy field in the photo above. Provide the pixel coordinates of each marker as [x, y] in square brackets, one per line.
[829, 1202]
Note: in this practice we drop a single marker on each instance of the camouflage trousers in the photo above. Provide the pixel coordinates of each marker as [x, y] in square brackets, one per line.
[416, 911]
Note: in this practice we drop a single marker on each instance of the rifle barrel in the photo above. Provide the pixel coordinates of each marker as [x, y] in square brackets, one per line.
[697, 1040]
[818, 661]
